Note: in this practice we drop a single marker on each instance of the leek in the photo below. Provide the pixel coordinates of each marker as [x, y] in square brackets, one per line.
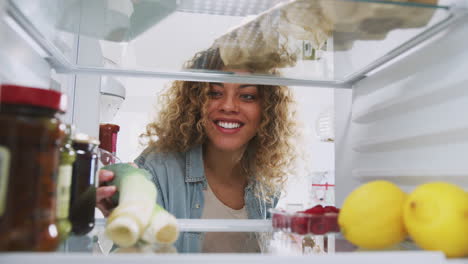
[137, 216]
[163, 228]
[135, 199]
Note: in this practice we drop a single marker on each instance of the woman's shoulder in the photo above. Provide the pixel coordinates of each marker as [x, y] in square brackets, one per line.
[152, 158]
[172, 166]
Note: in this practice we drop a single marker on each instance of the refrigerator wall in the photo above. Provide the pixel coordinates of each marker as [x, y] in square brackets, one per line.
[407, 123]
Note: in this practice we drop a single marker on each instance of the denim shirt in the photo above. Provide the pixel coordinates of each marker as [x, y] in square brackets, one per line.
[180, 181]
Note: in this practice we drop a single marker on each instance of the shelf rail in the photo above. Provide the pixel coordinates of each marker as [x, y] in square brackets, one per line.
[456, 15]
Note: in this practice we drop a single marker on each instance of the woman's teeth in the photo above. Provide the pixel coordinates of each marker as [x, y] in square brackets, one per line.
[228, 125]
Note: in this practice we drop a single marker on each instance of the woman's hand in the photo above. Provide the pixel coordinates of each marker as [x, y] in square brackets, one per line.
[104, 193]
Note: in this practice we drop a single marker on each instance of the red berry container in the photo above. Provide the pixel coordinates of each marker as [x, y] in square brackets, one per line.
[303, 223]
[332, 220]
[281, 220]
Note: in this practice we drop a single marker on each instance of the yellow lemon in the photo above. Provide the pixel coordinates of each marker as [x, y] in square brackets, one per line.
[436, 216]
[372, 217]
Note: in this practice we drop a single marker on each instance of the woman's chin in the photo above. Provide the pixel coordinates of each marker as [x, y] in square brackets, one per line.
[229, 147]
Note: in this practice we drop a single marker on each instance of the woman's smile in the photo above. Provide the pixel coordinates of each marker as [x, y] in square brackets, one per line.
[228, 126]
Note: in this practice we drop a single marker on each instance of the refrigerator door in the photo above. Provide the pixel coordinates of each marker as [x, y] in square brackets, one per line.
[350, 258]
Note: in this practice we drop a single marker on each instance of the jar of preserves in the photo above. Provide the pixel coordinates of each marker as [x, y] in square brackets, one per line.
[83, 187]
[67, 158]
[30, 138]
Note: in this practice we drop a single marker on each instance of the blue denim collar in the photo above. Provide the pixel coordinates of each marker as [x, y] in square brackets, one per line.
[194, 169]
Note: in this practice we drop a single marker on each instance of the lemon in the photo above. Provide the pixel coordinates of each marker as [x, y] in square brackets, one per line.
[436, 216]
[372, 217]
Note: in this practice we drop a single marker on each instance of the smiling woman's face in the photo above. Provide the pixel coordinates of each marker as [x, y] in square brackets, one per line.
[233, 113]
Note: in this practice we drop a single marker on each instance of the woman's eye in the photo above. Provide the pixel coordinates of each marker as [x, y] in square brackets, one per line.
[248, 97]
[214, 94]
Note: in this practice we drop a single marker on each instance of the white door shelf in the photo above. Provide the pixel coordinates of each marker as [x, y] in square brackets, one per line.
[426, 257]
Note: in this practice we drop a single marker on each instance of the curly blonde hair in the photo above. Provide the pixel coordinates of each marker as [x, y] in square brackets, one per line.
[270, 153]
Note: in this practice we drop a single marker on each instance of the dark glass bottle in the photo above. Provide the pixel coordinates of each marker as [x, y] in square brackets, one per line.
[83, 187]
[31, 134]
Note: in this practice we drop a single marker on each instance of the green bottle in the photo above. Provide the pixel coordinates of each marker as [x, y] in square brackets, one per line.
[67, 158]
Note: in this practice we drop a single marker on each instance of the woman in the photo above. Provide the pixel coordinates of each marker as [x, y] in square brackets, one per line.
[217, 150]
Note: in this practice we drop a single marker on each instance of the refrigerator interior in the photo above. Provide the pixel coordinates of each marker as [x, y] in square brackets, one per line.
[396, 93]
[405, 123]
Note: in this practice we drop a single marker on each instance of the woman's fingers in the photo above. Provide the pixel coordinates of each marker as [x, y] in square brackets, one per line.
[103, 201]
[104, 192]
[104, 176]
[105, 206]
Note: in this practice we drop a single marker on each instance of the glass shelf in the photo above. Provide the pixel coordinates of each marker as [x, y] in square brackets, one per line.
[261, 236]
[273, 247]
[326, 43]
[426, 257]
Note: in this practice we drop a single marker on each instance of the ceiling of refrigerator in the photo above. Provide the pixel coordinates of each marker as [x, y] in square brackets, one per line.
[329, 43]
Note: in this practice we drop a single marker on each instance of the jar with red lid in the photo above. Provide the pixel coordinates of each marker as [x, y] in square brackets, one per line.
[30, 138]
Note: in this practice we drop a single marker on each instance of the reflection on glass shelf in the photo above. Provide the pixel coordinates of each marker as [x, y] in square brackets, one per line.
[228, 236]
[302, 41]
[260, 234]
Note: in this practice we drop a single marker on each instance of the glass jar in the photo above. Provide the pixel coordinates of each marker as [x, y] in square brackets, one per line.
[83, 187]
[67, 158]
[30, 138]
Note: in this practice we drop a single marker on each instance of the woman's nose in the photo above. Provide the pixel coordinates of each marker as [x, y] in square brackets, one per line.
[230, 104]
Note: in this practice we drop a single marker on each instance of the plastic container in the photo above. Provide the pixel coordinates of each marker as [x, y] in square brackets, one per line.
[302, 223]
[30, 138]
[83, 187]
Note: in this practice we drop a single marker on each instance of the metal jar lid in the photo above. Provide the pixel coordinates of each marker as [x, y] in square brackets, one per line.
[85, 138]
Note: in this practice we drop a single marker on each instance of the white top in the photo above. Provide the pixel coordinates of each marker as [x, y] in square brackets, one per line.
[225, 242]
